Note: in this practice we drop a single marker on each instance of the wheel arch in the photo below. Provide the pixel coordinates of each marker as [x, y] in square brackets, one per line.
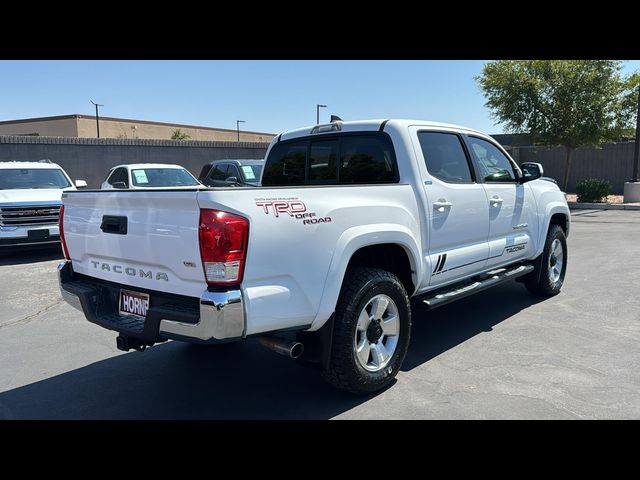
[377, 246]
[556, 213]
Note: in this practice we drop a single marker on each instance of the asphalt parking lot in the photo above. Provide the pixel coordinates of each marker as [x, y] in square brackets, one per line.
[498, 354]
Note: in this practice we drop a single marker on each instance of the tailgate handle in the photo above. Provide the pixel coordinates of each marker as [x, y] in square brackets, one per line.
[114, 224]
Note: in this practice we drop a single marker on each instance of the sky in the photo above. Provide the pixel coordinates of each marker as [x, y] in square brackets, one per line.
[270, 96]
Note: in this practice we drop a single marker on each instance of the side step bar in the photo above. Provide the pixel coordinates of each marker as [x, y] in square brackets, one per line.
[491, 279]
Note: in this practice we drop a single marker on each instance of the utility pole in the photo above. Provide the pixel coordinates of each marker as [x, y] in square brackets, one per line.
[238, 122]
[97, 117]
[318, 107]
[636, 149]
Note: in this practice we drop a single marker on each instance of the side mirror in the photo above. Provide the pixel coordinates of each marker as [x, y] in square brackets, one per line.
[119, 185]
[81, 184]
[531, 171]
[232, 180]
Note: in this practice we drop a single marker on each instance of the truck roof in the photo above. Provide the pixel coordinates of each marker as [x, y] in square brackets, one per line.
[15, 164]
[374, 125]
[241, 161]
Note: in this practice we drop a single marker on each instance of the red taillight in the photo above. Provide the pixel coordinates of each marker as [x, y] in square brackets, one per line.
[223, 246]
[64, 244]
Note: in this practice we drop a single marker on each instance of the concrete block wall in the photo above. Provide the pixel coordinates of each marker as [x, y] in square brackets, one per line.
[91, 158]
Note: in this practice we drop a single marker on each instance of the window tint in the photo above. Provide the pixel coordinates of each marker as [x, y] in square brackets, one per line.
[204, 172]
[444, 157]
[233, 172]
[493, 164]
[323, 156]
[219, 172]
[124, 176]
[363, 159]
[367, 159]
[286, 164]
[119, 175]
[114, 176]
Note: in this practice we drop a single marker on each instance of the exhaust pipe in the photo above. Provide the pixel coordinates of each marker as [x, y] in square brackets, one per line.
[288, 348]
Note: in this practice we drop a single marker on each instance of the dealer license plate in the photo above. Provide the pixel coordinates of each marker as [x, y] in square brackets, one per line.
[133, 304]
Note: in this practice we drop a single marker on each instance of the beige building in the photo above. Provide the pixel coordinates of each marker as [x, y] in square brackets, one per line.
[84, 126]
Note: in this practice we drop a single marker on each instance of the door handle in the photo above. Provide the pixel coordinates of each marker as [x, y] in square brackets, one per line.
[495, 201]
[441, 204]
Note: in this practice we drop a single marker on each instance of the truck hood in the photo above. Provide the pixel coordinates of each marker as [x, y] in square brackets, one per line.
[33, 195]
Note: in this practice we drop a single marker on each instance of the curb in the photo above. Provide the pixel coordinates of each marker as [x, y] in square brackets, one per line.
[601, 206]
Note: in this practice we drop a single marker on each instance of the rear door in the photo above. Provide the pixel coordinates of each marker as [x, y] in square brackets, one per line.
[512, 219]
[457, 209]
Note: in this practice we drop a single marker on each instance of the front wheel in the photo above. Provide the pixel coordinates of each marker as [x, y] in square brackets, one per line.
[372, 327]
[548, 278]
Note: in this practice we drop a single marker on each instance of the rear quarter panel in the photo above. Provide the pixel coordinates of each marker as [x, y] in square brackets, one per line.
[294, 269]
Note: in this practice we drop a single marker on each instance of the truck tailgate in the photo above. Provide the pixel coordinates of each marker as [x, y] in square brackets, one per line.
[137, 238]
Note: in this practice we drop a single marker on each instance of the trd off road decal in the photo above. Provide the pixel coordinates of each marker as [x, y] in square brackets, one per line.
[291, 207]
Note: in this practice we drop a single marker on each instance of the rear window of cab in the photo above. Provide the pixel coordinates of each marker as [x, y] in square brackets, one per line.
[344, 159]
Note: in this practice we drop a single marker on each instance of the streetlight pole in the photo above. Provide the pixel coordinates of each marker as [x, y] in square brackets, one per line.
[318, 107]
[238, 122]
[97, 122]
[636, 148]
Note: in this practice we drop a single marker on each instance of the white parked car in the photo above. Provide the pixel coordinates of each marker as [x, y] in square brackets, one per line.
[149, 175]
[30, 199]
[353, 223]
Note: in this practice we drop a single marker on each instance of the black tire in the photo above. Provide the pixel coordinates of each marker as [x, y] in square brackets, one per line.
[360, 286]
[539, 283]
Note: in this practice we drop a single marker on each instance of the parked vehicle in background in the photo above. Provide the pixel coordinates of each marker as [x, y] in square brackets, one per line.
[30, 200]
[352, 222]
[238, 173]
[149, 175]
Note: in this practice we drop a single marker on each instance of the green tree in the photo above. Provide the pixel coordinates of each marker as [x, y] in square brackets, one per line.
[179, 135]
[571, 103]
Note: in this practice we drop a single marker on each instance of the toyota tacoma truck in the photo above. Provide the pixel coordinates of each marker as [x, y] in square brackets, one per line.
[30, 199]
[353, 225]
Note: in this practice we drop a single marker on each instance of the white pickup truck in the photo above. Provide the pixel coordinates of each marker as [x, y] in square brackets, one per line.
[353, 222]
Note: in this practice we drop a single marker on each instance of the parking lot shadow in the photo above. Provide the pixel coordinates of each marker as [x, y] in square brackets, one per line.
[238, 380]
[24, 255]
[436, 331]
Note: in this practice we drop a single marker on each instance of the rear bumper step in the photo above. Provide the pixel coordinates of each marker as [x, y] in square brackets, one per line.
[216, 316]
[442, 297]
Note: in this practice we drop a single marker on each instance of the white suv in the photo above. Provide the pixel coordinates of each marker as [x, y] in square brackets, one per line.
[30, 199]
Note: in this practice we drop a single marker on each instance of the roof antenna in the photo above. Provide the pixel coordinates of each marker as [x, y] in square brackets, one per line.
[336, 118]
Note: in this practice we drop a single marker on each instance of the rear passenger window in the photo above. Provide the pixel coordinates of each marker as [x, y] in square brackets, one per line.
[285, 165]
[323, 161]
[367, 159]
[444, 157]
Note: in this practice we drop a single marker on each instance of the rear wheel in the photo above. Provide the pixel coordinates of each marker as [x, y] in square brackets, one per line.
[371, 332]
[548, 277]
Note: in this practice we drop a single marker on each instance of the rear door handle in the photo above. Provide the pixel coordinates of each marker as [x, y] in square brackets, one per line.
[495, 201]
[441, 204]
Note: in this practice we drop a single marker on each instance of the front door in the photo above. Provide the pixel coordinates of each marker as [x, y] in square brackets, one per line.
[457, 209]
[512, 207]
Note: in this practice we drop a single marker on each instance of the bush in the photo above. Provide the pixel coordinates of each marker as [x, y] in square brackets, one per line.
[592, 190]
